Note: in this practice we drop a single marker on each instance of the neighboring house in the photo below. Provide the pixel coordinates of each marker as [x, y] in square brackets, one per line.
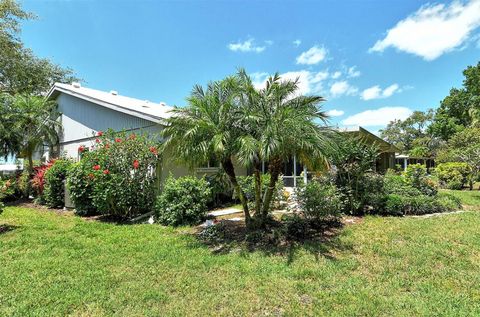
[10, 165]
[86, 111]
[386, 158]
[404, 160]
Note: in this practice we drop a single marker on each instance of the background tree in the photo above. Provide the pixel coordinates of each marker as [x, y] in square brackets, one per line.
[464, 147]
[461, 108]
[28, 123]
[20, 70]
[412, 135]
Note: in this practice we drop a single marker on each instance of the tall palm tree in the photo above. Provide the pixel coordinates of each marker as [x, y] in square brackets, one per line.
[209, 127]
[31, 122]
[281, 124]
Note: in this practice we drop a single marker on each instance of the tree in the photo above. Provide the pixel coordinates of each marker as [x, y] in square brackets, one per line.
[211, 126]
[21, 72]
[461, 108]
[27, 123]
[464, 147]
[281, 124]
[412, 135]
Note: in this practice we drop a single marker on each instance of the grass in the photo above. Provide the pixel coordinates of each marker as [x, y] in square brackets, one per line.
[55, 264]
[468, 197]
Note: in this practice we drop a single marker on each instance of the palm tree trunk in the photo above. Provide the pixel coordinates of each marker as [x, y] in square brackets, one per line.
[258, 190]
[230, 171]
[274, 168]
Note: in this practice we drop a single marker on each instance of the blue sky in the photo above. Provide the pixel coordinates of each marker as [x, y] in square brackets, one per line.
[373, 60]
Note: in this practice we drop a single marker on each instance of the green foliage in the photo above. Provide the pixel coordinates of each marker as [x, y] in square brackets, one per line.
[54, 191]
[221, 189]
[354, 165]
[9, 189]
[183, 201]
[296, 227]
[117, 176]
[319, 201]
[20, 70]
[396, 184]
[247, 183]
[452, 175]
[418, 205]
[459, 109]
[80, 185]
[416, 176]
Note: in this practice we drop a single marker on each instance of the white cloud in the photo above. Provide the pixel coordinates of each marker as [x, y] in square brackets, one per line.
[433, 29]
[246, 46]
[297, 42]
[309, 82]
[342, 88]
[336, 75]
[375, 92]
[377, 117]
[353, 72]
[335, 113]
[313, 56]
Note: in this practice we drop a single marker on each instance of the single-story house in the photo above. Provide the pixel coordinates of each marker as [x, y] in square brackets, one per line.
[403, 160]
[86, 111]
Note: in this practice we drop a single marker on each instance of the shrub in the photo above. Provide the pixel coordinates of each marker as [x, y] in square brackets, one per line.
[220, 188]
[1, 206]
[38, 180]
[9, 190]
[80, 185]
[452, 175]
[419, 205]
[417, 177]
[397, 185]
[182, 201]
[54, 192]
[296, 227]
[117, 176]
[449, 201]
[319, 201]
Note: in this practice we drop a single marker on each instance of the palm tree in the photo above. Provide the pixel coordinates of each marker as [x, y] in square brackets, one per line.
[31, 122]
[209, 127]
[281, 124]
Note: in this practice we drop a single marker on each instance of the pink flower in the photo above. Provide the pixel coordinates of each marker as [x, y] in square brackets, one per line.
[106, 172]
[81, 148]
[97, 140]
[99, 133]
[118, 140]
[136, 164]
[153, 150]
[96, 167]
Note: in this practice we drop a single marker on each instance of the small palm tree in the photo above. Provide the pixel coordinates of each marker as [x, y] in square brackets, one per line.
[209, 127]
[281, 124]
[31, 122]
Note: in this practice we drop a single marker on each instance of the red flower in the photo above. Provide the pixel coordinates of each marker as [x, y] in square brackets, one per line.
[106, 172]
[99, 133]
[96, 167]
[136, 164]
[118, 140]
[81, 148]
[132, 136]
[107, 146]
[97, 140]
[153, 150]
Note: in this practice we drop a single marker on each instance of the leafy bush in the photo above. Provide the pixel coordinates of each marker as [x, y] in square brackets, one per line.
[248, 185]
[419, 205]
[220, 188]
[9, 190]
[1, 206]
[319, 201]
[182, 201]
[417, 177]
[452, 175]
[117, 176]
[54, 192]
[397, 185]
[296, 227]
[449, 201]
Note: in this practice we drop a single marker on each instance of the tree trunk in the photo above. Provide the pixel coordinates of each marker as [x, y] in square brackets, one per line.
[230, 171]
[274, 168]
[28, 189]
[258, 190]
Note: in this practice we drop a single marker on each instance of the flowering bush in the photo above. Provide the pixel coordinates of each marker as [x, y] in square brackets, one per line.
[54, 190]
[182, 201]
[38, 180]
[116, 176]
[417, 177]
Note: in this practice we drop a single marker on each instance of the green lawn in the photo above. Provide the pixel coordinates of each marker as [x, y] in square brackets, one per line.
[469, 198]
[58, 264]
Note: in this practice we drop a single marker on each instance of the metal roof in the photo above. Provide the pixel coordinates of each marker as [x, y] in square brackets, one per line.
[155, 112]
